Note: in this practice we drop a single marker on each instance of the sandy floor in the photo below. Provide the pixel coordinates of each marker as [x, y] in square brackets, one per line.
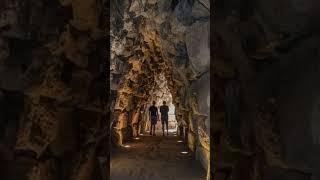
[155, 158]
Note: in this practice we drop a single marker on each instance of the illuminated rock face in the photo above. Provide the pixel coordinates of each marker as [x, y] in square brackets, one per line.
[160, 48]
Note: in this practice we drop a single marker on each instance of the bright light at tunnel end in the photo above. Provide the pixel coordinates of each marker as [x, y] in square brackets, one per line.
[184, 152]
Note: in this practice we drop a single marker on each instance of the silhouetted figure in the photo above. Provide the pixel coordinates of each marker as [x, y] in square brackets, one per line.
[153, 114]
[164, 109]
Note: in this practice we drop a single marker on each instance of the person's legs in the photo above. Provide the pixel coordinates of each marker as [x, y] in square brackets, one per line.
[151, 128]
[167, 126]
[153, 125]
[162, 122]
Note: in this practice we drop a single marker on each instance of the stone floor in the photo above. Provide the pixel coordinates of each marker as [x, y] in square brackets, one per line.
[155, 158]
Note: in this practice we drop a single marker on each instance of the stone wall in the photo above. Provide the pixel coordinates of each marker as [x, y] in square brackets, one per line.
[158, 44]
[265, 66]
[52, 74]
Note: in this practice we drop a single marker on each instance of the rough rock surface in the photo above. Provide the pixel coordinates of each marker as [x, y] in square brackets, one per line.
[265, 66]
[161, 47]
[52, 72]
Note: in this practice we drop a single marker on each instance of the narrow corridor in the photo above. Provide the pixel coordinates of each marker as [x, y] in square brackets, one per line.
[159, 52]
[155, 158]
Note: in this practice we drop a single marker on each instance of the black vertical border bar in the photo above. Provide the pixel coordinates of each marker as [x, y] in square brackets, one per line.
[211, 91]
[106, 14]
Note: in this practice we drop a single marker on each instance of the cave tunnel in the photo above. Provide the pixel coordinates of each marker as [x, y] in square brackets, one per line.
[160, 52]
[254, 105]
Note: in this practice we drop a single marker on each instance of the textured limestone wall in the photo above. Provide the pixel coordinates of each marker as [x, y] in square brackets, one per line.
[53, 74]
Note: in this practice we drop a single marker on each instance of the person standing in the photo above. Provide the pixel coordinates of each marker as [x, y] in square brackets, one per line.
[164, 109]
[153, 114]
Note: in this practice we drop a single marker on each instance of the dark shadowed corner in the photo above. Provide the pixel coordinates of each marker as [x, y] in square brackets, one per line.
[53, 70]
[266, 90]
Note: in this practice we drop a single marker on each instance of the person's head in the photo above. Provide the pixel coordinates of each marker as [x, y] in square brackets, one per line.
[153, 103]
[164, 102]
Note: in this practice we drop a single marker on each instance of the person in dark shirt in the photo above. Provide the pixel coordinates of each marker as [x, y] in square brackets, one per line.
[153, 114]
[164, 109]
